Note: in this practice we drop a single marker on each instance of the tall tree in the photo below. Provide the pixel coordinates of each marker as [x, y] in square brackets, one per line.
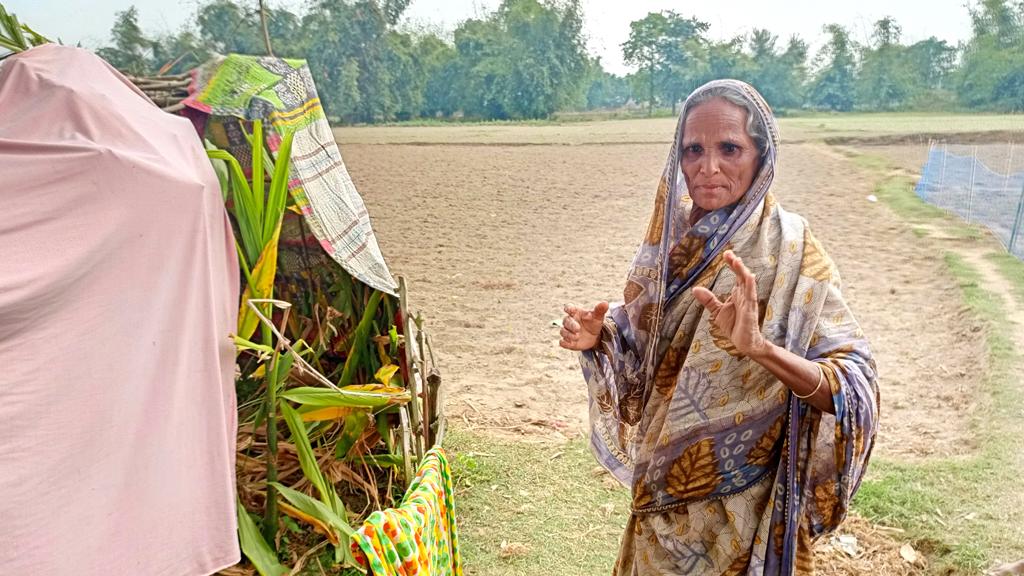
[885, 81]
[438, 67]
[228, 26]
[991, 73]
[666, 47]
[725, 59]
[180, 52]
[835, 82]
[526, 60]
[131, 51]
[606, 90]
[350, 53]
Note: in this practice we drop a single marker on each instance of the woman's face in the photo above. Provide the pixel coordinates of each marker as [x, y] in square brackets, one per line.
[719, 159]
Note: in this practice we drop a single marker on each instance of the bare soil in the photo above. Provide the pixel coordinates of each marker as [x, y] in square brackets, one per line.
[494, 239]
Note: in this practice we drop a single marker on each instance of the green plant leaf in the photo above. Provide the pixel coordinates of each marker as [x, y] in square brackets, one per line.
[246, 344]
[277, 198]
[262, 286]
[249, 220]
[307, 459]
[355, 424]
[324, 397]
[316, 509]
[362, 333]
[220, 168]
[255, 547]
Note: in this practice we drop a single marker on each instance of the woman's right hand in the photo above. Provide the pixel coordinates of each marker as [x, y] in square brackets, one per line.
[581, 329]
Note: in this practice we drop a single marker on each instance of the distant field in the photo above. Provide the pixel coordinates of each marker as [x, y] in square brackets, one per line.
[660, 130]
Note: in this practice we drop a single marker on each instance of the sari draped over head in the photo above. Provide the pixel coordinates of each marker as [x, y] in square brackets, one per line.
[730, 472]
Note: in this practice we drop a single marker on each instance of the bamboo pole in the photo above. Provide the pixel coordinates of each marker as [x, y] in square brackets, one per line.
[410, 361]
[425, 393]
[266, 30]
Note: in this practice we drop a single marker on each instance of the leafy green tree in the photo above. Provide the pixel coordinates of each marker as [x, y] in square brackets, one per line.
[350, 54]
[667, 48]
[991, 75]
[177, 53]
[606, 90]
[526, 60]
[885, 81]
[726, 59]
[439, 68]
[228, 28]
[834, 84]
[131, 52]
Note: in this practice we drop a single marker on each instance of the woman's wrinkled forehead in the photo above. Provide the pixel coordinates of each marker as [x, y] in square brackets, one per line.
[727, 118]
[761, 123]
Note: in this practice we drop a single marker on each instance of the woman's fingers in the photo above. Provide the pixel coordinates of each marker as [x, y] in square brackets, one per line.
[598, 312]
[570, 323]
[707, 299]
[746, 281]
[743, 274]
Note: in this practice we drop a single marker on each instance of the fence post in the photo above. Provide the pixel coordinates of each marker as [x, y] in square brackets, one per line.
[970, 197]
[1016, 221]
[1020, 202]
[942, 175]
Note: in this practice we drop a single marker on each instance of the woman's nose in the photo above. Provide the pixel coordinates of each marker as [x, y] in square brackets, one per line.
[709, 164]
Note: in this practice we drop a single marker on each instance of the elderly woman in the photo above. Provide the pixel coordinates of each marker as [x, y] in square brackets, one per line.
[733, 391]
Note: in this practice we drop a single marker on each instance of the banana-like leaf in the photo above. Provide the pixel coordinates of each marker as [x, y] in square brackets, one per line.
[362, 333]
[316, 509]
[307, 459]
[386, 373]
[257, 178]
[255, 547]
[263, 287]
[246, 344]
[318, 524]
[329, 413]
[381, 460]
[368, 396]
[250, 221]
[355, 424]
[220, 168]
[278, 195]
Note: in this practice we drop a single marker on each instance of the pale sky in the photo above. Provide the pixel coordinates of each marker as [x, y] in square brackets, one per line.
[606, 22]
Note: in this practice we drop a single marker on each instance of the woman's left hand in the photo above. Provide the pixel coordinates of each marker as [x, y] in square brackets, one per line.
[737, 317]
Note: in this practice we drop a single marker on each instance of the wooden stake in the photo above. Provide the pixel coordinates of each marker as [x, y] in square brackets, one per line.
[266, 29]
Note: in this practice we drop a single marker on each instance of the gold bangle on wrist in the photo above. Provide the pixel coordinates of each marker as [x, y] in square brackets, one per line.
[821, 380]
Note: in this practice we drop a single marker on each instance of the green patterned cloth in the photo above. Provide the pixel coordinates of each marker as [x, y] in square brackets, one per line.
[419, 538]
[232, 89]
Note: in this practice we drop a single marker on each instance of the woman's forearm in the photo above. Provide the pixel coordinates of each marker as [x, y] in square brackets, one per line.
[802, 376]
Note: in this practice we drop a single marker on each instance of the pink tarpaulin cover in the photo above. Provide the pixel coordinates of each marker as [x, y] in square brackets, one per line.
[118, 290]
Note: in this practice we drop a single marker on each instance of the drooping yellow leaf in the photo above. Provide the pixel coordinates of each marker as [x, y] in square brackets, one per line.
[329, 413]
[263, 278]
[317, 524]
[377, 388]
[386, 373]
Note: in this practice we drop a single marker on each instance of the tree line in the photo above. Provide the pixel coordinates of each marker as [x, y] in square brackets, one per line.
[527, 60]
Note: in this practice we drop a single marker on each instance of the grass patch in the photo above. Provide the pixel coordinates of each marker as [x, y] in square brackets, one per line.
[542, 500]
[1012, 269]
[963, 511]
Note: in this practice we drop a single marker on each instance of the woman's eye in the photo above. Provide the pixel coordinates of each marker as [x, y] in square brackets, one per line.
[692, 150]
[730, 149]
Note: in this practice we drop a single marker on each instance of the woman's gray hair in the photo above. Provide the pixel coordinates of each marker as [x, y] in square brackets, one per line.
[756, 128]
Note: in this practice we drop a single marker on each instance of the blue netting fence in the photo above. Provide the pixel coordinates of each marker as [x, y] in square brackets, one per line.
[960, 180]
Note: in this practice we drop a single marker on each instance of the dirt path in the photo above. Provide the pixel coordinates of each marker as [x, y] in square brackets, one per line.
[495, 239]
